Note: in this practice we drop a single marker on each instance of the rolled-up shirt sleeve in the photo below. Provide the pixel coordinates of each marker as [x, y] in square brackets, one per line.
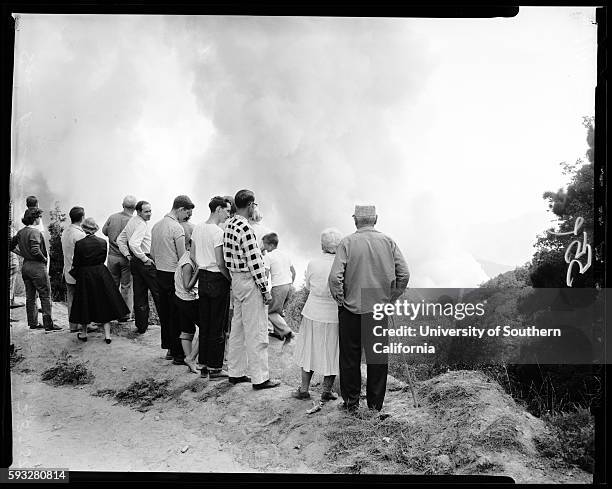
[122, 243]
[135, 241]
[336, 274]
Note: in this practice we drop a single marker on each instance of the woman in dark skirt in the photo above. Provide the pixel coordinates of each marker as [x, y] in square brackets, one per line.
[97, 298]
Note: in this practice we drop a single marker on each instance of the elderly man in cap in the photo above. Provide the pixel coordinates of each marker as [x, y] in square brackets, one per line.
[117, 264]
[167, 248]
[368, 269]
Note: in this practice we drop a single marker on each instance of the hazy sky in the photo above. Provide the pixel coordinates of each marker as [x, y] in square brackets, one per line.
[453, 127]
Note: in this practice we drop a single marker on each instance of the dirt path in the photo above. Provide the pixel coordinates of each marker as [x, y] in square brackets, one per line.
[465, 424]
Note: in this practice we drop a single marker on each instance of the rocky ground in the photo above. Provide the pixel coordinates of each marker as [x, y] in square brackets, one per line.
[465, 423]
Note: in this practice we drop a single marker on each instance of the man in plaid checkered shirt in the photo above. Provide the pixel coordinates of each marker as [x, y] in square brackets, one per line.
[248, 341]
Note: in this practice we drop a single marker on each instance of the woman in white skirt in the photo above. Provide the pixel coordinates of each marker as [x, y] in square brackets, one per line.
[316, 348]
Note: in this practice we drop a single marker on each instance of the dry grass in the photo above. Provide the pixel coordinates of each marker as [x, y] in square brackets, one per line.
[140, 394]
[502, 434]
[15, 358]
[65, 371]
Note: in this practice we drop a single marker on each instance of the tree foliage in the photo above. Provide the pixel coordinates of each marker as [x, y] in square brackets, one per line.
[548, 267]
[56, 255]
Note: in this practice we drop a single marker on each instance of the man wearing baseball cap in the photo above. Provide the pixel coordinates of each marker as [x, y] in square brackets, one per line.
[368, 268]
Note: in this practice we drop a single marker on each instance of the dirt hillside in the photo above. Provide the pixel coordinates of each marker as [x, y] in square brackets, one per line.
[465, 423]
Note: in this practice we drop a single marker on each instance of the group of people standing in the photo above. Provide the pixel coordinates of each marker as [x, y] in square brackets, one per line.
[198, 275]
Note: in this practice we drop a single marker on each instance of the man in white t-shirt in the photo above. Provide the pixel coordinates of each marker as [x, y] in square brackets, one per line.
[213, 288]
[282, 276]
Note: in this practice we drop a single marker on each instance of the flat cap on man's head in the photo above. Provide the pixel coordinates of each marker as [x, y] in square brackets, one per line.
[365, 211]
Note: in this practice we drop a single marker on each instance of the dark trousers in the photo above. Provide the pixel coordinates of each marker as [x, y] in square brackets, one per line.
[36, 279]
[144, 280]
[188, 315]
[168, 312]
[356, 332]
[213, 291]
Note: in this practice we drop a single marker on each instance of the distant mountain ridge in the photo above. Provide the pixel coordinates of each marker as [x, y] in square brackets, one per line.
[493, 269]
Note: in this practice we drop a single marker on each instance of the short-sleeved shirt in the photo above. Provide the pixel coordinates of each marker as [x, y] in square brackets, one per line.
[280, 267]
[206, 238]
[164, 237]
[114, 226]
[70, 236]
[179, 289]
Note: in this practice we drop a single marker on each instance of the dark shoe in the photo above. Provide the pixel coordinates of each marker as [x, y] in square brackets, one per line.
[268, 384]
[82, 338]
[39, 326]
[329, 396]
[169, 356]
[108, 340]
[275, 335]
[299, 394]
[204, 373]
[238, 380]
[178, 361]
[217, 374]
[124, 319]
[53, 327]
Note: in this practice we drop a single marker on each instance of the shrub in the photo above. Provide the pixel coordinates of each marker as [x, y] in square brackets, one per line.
[56, 254]
[571, 439]
[295, 304]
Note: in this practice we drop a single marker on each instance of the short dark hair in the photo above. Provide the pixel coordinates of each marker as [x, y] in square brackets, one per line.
[30, 215]
[31, 201]
[243, 198]
[139, 205]
[270, 238]
[76, 214]
[217, 201]
[230, 199]
[182, 201]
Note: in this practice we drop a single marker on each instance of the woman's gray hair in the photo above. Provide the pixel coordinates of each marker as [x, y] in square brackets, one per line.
[330, 239]
[257, 216]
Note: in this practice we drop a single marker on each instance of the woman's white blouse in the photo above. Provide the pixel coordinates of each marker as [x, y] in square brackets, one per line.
[320, 305]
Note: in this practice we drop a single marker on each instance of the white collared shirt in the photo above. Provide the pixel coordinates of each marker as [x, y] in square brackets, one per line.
[135, 236]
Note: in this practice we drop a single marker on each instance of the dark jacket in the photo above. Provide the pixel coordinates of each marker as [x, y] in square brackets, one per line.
[88, 251]
[31, 244]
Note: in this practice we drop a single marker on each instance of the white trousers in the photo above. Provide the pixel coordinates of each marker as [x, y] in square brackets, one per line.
[248, 341]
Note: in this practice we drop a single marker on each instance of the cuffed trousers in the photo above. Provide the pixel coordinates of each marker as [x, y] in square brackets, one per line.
[248, 341]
